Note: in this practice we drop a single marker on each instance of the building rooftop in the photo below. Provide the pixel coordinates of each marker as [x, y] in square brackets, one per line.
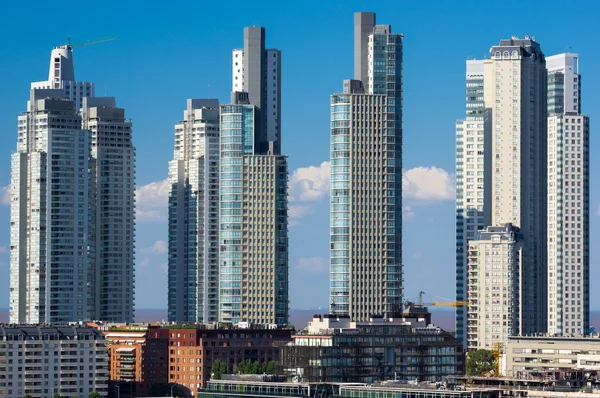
[59, 332]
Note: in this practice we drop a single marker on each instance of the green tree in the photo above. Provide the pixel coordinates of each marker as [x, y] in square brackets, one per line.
[56, 395]
[255, 368]
[270, 367]
[95, 395]
[27, 396]
[479, 362]
[218, 369]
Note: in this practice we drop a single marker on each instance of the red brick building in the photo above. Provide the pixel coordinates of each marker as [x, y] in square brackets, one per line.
[193, 351]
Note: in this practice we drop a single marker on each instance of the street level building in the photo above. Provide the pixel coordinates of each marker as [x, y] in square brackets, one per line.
[138, 358]
[335, 350]
[45, 360]
[194, 215]
[366, 178]
[193, 350]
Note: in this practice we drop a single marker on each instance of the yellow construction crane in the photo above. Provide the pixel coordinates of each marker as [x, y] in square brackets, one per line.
[497, 352]
[87, 43]
[439, 303]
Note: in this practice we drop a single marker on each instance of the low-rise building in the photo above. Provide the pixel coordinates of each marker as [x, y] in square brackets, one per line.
[334, 350]
[194, 349]
[536, 355]
[47, 360]
[388, 389]
[138, 358]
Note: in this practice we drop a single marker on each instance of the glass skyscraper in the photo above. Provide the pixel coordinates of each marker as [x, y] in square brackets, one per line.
[366, 178]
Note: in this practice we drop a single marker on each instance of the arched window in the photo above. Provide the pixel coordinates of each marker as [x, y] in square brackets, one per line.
[505, 55]
[515, 54]
[497, 54]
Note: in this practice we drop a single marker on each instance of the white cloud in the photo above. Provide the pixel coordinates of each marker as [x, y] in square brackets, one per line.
[315, 265]
[144, 262]
[151, 201]
[407, 212]
[309, 184]
[159, 247]
[428, 184]
[5, 195]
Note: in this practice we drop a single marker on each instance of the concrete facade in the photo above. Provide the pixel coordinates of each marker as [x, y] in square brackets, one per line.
[470, 183]
[515, 90]
[494, 286]
[535, 355]
[41, 361]
[568, 200]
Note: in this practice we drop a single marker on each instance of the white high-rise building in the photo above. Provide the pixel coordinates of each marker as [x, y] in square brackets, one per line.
[515, 90]
[568, 199]
[194, 215]
[111, 287]
[72, 204]
[494, 261]
[366, 178]
[51, 193]
[470, 182]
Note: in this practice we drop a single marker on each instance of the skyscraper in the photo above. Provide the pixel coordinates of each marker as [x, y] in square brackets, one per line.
[194, 215]
[72, 206]
[111, 287]
[511, 125]
[253, 242]
[515, 90]
[366, 178]
[51, 195]
[568, 199]
[470, 182]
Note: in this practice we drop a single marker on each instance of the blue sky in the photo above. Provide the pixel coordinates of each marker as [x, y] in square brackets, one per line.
[170, 51]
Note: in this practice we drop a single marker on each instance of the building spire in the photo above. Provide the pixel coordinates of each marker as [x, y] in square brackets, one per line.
[61, 66]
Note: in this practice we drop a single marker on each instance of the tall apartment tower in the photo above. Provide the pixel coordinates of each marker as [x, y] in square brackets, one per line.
[194, 215]
[366, 178]
[494, 273]
[515, 89]
[72, 204]
[568, 199]
[112, 277]
[470, 182]
[253, 221]
[51, 198]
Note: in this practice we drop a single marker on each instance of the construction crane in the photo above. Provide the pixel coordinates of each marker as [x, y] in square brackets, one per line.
[438, 303]
[497, 352]
[87, 43]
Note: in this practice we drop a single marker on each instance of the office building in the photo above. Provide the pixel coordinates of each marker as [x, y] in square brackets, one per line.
[111, 283]
[51, 198]
[470, 182]
[253, 242]
[72, 204]
[335, 350]
[568, 200]
[193, 215]
[515, 90]
[43, 361]
[494, 281]
[366, 178]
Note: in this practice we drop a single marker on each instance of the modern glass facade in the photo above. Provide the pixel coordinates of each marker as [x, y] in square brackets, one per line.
[366, 179]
